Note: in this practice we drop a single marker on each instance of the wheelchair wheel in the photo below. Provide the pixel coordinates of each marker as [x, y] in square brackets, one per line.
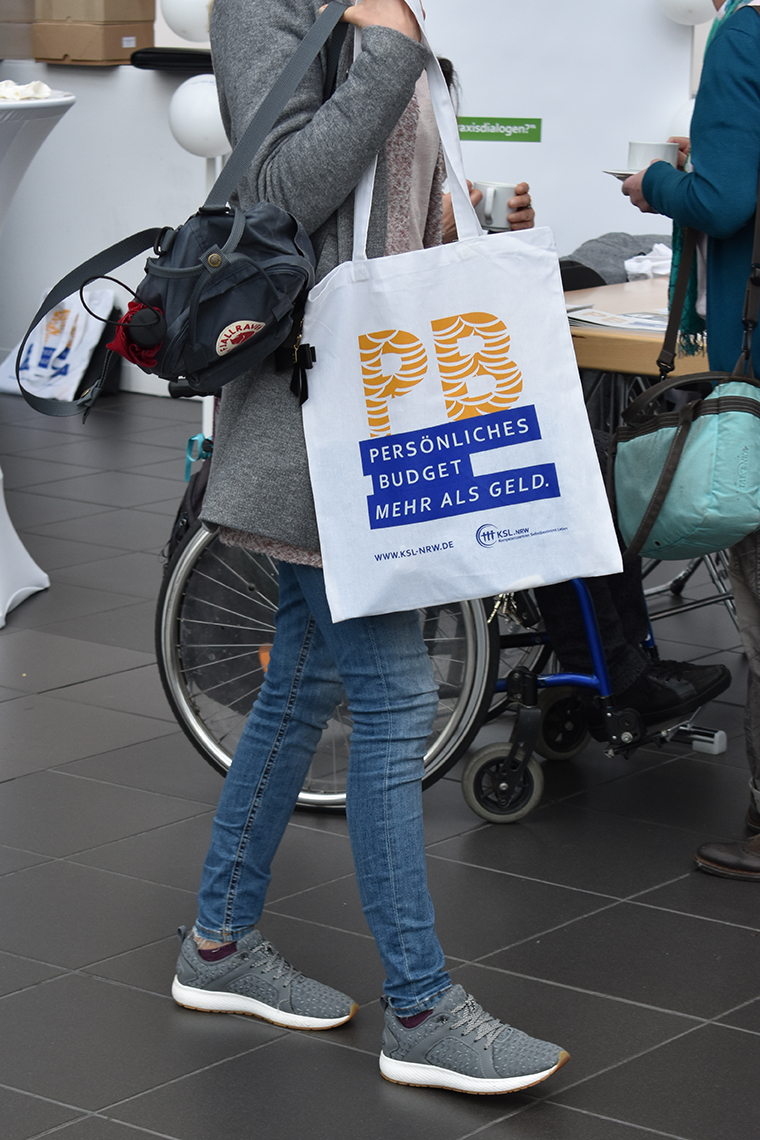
[214, 631]
[481, 786]
[564, 732]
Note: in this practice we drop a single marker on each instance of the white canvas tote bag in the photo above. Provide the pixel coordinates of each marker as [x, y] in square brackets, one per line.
[449, 448]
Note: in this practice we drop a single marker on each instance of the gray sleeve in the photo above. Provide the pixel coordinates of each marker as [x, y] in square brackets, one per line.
[316, 153]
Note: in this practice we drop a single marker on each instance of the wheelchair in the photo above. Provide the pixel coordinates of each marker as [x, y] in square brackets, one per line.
[215, 627]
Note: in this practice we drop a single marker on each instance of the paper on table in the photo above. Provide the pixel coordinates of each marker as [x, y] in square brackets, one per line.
[656, 321]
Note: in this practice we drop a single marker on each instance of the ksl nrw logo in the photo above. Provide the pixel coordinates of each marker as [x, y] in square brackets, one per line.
[456, 367]
[236, 334]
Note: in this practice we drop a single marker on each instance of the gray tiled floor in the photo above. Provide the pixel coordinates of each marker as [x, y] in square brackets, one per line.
[585, 923]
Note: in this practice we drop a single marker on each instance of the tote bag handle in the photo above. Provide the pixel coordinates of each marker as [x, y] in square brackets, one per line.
[468, 226]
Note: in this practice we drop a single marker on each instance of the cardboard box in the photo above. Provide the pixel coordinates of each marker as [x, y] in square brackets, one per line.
[93, 11]
[89, 44]
[17, 11]
[16, 41]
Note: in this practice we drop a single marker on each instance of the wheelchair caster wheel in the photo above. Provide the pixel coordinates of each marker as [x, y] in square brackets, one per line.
[564, 732]
[480, 786]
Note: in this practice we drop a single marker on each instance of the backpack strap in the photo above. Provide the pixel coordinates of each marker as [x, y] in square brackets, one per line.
[270, 110]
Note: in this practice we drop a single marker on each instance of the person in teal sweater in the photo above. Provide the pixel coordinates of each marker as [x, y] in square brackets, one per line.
[718, 197]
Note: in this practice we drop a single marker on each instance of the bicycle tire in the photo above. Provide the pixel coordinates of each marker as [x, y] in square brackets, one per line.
[211, 683]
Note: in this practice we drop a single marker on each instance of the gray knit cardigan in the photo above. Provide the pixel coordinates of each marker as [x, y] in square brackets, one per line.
[309, 165]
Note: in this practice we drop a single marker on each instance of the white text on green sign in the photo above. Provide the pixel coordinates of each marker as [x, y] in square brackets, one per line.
[499, 130]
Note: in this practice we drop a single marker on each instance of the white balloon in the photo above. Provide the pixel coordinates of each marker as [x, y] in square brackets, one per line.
[195, 120]
[686, 11]
[680, 124]
[188, 18]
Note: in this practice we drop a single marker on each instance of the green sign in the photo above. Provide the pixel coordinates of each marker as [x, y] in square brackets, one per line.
[499, 130]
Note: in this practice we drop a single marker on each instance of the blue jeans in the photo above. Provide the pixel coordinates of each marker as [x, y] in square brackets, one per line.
[385, 669]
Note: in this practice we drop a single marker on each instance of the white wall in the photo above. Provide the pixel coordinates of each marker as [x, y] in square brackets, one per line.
[598, 73]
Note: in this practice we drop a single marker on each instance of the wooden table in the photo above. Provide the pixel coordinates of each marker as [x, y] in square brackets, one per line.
[632, 353]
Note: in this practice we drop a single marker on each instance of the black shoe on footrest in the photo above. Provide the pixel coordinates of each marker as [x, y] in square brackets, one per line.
[667, 693]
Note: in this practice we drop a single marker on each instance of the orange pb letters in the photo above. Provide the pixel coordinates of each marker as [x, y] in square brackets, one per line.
[393, 361]
[461, 365]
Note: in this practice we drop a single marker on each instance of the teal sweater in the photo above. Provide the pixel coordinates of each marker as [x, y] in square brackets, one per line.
[719, 196]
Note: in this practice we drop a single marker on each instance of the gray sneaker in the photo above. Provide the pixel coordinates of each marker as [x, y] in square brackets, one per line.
[256, 980]
[463, 1048]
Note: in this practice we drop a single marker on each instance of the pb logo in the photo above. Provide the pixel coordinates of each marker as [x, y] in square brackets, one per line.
[472, 354]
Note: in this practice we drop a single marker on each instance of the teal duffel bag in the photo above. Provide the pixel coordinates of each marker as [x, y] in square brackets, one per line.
[686, 483]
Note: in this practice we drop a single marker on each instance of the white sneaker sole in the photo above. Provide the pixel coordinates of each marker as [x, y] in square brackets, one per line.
[431, 1076]
[217, 1001]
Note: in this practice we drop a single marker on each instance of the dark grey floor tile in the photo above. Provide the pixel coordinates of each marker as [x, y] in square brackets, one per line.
[88, 914]
[307, 858]
[647, 956]
[111, 488]
[547, 1121]
[17, 973]
[148, 967]
[747, 1017]
[446, 813]
[99, 1127]
[151, 1041]
[138, 574]
[591, 768]
[60, 553]
[710, 627]
[38, 662]
[42, 732]
[126, 529]
[167, 509]
[129, 627]
[340, 1093]
[28, 509]
[317, 820]
[13, 859]
[172, 854]
[63, 601]
[23, 1116]
[135, 690]
[114, 454]
[23, 439]
[467, 928]
[166, 434]
[20, 473]
[170, 465]
[703, 1086]
[708, 896]
[688, 793]
[168, 764]
[187, 412]
[57, 814]
[588, 850]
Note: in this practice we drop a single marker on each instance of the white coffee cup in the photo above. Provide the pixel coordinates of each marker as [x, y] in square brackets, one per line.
[641, 154]
[493, 208]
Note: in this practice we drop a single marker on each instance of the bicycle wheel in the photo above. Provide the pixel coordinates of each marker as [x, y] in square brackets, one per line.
[214, 630]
